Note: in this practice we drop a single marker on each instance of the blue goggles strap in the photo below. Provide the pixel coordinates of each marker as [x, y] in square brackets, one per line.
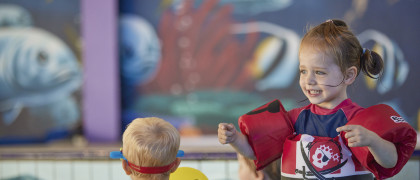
[119, 155]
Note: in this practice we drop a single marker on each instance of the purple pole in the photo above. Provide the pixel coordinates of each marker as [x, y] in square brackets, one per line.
[101, 98]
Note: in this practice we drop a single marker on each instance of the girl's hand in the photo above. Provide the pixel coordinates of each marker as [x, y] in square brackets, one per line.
[227, 133]
[358, 136]
[383, 151]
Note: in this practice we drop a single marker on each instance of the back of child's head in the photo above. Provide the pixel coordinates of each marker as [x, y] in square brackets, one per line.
[335, 39]
[150, 142]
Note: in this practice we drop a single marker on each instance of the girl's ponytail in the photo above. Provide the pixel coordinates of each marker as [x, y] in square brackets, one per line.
[371, 63]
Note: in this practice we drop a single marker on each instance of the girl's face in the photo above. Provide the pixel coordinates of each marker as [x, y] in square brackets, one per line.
[321, 79]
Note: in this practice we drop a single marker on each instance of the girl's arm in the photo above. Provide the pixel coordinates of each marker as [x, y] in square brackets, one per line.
[227, 134]
[384, 152]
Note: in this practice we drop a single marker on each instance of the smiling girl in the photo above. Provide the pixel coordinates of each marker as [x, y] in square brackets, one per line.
[330, 59]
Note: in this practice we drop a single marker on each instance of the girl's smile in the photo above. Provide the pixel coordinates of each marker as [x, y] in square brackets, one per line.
[314, 93]
[321, 79]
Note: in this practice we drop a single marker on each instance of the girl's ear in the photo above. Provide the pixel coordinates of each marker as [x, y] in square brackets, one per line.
[350, 76]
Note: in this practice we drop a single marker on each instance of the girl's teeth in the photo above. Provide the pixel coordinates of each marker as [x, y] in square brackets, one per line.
[314, 91]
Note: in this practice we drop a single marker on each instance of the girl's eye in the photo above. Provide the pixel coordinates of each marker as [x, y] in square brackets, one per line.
[319, 72]
[302, 71]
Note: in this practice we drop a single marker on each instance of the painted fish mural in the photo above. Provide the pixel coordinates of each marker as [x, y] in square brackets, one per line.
[63, 112]
[276, 58]
[14, 16]
[243, 6]
[36, 68]
[140, 55]
[140, 50]
[396, 67]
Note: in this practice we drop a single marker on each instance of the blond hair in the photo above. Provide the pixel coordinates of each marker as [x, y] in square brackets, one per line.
[150, 142]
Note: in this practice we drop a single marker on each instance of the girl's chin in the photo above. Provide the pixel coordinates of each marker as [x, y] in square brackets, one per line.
[314, 100]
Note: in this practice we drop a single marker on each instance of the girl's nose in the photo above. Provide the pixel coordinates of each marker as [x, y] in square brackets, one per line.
[310, 79]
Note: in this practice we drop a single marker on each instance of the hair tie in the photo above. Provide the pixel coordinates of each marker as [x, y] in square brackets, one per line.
[329, 20]
[363, 52]
[362, 60]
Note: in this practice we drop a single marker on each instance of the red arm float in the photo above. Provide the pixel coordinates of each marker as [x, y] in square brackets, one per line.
[388, 124]
[266, 129]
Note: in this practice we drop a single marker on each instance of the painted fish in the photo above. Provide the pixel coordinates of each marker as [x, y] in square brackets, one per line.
[36, 68]
[14, 16]
[63, 112]
[276, 58]
[140, 50]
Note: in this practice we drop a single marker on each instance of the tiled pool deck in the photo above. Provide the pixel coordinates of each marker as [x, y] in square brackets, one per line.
[65, 161]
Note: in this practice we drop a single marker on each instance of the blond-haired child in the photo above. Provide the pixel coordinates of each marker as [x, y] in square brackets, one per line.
[150, 149]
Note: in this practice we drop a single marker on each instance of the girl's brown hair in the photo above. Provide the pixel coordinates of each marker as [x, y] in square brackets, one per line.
[335, 39]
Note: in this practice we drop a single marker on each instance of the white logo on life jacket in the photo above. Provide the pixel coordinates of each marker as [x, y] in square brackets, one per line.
[314, 157]
[323, 155]
[398, 119]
